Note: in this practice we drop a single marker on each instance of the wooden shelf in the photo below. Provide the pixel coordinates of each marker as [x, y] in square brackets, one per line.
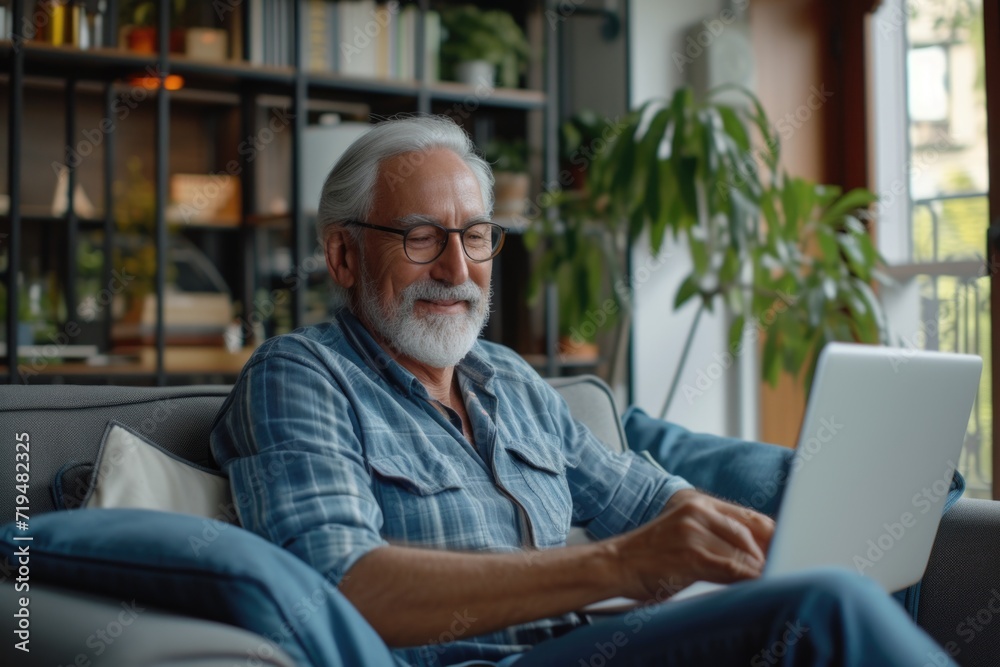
[515, 98]
[110, 63]
[331, 81]
[177, 360]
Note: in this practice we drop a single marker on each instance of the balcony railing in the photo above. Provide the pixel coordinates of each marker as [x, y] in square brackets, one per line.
[947, 261]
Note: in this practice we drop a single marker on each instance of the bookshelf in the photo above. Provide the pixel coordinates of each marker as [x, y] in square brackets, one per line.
[246, 118]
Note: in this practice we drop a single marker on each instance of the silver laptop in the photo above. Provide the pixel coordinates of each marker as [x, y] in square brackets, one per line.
[879, 444]
[881, 437]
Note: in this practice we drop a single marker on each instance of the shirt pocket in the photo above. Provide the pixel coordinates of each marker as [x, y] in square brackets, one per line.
[539, 482]
[422, 497]
[423, 475]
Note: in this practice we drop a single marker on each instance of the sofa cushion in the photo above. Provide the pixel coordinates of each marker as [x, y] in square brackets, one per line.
[202, 568]
[132, 471]
[67, 423]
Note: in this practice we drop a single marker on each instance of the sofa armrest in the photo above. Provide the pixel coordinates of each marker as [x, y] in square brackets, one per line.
[73, 628]
[591, 401]
[960, 595]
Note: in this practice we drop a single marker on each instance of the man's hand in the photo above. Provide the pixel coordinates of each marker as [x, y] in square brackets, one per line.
[695, 537]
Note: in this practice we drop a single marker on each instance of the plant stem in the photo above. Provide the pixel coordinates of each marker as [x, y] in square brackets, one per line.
[683, 361]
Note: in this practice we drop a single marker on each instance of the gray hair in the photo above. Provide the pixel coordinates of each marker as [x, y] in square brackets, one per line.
[349, 191]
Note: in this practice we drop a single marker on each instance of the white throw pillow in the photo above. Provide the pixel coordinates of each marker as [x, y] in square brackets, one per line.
[134, 472]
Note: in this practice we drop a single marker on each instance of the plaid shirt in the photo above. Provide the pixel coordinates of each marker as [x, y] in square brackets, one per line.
[333, 449]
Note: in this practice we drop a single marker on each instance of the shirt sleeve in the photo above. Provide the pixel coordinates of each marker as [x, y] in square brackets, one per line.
[612, 492]
[287, 441]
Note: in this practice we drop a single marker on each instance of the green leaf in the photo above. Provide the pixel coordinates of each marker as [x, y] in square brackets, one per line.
[849, 203]
[668, 206]
[772, 144]
[708, 131]
[681, 103]
[830, 288]
[734, 127]
[828, 246]
[855, 256]
[651, 210]
[790, 206]
[686, 175]
[730, 270]
[816, 307]
[699, 255]
[688, 289]
[649, 146]
[880, 333]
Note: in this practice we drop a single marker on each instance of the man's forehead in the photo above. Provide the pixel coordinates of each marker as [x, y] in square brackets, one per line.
[413, 219]
[428, 186]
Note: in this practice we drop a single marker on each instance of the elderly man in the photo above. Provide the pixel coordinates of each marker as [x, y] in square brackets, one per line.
[434, 476]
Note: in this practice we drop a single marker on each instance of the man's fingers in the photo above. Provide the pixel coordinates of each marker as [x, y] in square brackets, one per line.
[760, 525]
[713, 539]
[736, 533]
[723, 562]
[734, 568]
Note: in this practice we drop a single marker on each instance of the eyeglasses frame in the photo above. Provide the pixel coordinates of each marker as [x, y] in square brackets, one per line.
[448, 231]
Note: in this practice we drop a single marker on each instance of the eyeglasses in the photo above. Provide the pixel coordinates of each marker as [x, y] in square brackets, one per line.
[425, 242]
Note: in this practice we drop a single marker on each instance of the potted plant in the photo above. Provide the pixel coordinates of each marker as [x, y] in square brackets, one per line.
[769, 247]
[135, 252]
[478, 42]
[580, 137]
[138, 19]
[511, 182]
[581, 251]
[580, 254]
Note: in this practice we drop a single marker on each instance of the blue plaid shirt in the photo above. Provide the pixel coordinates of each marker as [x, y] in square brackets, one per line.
[333, 449]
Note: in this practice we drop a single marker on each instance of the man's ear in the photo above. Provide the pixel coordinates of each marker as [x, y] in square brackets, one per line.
[341, 258]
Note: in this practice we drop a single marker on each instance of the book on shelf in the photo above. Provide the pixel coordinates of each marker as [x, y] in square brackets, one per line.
[205, 199]
[271, 32]
[406, 43]
[189, 318]
[432, 46]
[359, 38]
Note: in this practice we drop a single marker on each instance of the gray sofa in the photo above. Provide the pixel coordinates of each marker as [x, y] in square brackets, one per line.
[960, 601]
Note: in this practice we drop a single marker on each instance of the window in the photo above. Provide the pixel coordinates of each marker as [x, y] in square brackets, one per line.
[930, 147]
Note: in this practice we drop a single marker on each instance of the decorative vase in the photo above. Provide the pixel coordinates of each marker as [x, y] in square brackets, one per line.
[510, 197]
[476, 72]
[573, 349]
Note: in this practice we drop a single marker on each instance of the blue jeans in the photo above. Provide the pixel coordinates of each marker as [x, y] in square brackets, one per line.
[823, 617]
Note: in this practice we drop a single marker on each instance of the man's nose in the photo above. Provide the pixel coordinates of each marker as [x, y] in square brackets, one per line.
[453, 265]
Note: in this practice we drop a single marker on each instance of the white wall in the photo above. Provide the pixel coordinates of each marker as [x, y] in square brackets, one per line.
[717, 401]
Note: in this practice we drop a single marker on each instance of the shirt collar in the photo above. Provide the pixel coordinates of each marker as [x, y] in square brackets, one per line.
[473, 365]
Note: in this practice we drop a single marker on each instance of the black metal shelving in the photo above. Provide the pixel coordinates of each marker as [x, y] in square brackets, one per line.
[104, 69]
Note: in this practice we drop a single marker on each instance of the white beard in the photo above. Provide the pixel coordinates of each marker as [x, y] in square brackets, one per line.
[435, 339]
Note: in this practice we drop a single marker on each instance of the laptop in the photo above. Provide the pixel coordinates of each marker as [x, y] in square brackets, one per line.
[882, 434]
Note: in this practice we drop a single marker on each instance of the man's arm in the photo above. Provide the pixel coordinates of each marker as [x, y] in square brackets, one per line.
[410, 596]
